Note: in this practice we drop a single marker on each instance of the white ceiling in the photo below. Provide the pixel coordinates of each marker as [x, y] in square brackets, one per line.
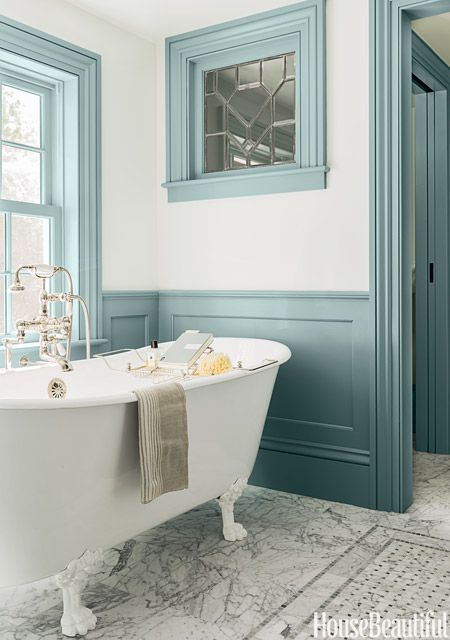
[156, 19]
[436, 33]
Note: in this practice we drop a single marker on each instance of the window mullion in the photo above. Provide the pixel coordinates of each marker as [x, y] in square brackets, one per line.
[30, 209]
[20, 145]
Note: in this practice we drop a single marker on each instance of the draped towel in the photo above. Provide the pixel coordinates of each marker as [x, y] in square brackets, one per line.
[163, 440]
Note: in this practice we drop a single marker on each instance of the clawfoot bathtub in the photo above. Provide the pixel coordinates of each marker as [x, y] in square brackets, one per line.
[69, 468]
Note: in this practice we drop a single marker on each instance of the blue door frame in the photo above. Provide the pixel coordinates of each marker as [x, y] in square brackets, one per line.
[391, 243]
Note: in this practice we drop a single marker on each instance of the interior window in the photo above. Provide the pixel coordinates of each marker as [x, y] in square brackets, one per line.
[249, 114]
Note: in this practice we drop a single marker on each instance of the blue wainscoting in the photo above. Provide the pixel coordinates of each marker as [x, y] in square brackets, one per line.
[316, 438]
[130, 318]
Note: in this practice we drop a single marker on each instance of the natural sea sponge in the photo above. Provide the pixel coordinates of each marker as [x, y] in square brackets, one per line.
[214, 364]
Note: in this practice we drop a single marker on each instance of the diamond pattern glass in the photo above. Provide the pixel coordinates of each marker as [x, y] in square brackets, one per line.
[249, 114]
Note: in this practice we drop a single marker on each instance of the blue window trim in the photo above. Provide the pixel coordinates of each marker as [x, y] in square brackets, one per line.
[79, 73]
[299, 27]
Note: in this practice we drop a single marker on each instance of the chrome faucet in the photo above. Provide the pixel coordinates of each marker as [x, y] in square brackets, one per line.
[53, 331]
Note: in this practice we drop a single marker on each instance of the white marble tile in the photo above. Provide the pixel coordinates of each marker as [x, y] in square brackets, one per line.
[182, 581]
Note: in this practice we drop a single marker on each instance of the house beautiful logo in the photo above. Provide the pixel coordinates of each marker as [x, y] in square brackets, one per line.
[427, 625]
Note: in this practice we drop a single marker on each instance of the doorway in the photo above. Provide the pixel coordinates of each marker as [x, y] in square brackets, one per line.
[391, 262]
[430, 297]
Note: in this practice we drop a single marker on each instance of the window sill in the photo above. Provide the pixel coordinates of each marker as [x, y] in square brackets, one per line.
[251, 184]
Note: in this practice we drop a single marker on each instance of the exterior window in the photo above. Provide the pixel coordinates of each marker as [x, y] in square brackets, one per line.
[28, 221]
[50, 196]
[250, 114]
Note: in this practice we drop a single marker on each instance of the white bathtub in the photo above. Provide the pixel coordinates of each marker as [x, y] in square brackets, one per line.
[69, 469]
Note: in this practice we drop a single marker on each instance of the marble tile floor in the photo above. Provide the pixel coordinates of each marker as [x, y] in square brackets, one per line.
[182, 581]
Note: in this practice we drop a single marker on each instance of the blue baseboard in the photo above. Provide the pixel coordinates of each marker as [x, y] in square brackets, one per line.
[312, 476]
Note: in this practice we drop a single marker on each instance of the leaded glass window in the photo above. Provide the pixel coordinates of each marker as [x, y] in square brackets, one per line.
[249, 114]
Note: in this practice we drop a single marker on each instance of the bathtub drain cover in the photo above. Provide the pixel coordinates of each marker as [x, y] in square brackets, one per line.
[57, 388]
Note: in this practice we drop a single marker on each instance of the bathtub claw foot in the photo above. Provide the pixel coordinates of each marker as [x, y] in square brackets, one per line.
[232, 530]
[78, 625]
[77, 619]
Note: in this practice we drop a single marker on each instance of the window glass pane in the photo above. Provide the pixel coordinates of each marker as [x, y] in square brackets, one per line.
[236, 155]
[284, 102]
[215, 115]
[237, 128]
[25, 304]
[247, 103]
[262, 123]
[226, 81]
[210, 82]
[21, 116]
[2, 242]
[249, 74]
[284, 143]
[21, 179]
[215, 153]
[261, 154]
[29, 241]
[250, 102]
[2, 305]
[290, 66]
[273, 72]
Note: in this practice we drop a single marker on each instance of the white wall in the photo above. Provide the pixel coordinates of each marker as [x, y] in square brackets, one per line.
[128, 127]
[315, 240]
[299, 241]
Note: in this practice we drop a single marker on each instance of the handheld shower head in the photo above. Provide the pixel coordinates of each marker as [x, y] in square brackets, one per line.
[17, 286]
[44, 270]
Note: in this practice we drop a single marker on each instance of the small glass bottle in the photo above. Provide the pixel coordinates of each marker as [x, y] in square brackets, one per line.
[153, 355]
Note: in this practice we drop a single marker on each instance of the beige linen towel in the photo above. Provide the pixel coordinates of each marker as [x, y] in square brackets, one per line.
[163, 440]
